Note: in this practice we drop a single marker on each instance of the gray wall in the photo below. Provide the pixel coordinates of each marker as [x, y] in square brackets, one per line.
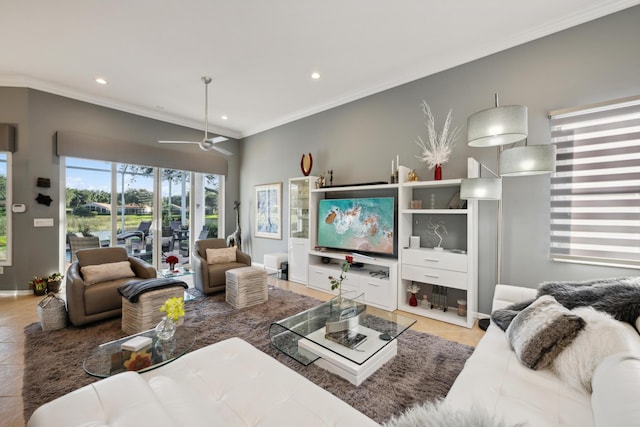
[37, 116]
[590, 63]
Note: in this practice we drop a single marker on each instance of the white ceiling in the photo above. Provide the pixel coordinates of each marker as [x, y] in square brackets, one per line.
[260, 53]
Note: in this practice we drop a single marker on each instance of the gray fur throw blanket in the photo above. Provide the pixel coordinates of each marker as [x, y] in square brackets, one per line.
[620, 297]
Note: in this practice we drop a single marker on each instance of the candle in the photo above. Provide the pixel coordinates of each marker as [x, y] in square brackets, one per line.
[392, 169]
[398, 161]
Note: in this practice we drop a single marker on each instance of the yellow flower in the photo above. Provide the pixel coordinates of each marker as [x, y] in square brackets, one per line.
[174, 307]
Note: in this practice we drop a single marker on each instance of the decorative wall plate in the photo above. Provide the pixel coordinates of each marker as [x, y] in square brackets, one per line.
[306, 163]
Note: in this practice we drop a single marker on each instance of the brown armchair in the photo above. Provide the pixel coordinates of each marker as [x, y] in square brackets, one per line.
[210, 278]
[88, 302]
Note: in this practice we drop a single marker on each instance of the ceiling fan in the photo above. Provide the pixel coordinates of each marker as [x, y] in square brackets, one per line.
[207, 143]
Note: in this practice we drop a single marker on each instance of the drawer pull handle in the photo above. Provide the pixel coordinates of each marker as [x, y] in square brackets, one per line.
[435, 276]
[432, 259]
[373, 284]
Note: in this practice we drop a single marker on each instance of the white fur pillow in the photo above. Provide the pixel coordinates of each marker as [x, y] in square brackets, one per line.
[440, 414]
[602, 336]
[221, 255]
[103, 272]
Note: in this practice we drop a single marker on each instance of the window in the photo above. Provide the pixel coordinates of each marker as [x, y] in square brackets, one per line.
[5, 203]
[595, 192]
[95, 189]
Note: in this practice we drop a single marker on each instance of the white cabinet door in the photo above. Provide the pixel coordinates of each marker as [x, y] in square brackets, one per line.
[298, 260]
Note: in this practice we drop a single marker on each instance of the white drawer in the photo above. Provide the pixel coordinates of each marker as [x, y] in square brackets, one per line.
[435, 259]
[319, 277]
[451, 279]
[376, 290]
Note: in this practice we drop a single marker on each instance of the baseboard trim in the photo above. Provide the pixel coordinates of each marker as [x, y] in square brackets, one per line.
[15, 293]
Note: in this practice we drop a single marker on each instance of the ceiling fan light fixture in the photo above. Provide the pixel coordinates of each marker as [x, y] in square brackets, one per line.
[205, 143]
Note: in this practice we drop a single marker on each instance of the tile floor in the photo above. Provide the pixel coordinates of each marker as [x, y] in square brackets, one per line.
[18, 311]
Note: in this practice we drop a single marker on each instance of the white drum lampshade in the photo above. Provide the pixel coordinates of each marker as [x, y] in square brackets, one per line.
[497, 126]
[481, 189]
[528, 160]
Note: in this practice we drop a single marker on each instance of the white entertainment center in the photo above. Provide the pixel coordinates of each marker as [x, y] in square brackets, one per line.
[384, 280]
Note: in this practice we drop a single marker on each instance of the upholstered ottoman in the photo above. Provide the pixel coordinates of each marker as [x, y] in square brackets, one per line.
[246, 286]
[141, 302]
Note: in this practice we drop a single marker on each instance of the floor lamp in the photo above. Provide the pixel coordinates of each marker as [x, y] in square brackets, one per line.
[497, 127]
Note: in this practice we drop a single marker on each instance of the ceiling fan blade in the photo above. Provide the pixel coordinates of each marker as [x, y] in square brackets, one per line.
[223, 151]
[179, 142]
[217, 139]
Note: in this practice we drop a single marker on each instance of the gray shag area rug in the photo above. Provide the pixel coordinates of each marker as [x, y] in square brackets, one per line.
[424, 369]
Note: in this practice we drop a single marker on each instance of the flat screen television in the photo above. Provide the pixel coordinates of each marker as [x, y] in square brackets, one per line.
[364, 225]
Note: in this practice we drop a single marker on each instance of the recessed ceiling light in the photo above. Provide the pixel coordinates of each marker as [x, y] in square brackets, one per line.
[101, 81]
[315, 75]
[225, 117]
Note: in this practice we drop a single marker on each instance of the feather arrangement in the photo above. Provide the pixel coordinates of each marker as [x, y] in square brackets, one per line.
[437, 149]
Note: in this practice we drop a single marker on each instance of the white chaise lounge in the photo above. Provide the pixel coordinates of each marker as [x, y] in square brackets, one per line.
[230, 383]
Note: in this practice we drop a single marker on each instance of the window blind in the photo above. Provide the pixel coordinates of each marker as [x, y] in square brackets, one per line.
[93, 147]
[595, 191]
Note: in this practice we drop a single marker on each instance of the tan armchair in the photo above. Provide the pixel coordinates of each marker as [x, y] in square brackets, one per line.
[89, 302]
[210, 278]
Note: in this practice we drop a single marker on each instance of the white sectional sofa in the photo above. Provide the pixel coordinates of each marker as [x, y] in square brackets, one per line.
[230, 383]
[494, 380]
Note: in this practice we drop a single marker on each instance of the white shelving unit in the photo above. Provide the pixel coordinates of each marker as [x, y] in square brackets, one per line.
[299, 226]
[454, 272]
[377, 279]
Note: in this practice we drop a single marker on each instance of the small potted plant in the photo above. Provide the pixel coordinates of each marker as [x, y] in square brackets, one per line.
[54, 282]
[38, 285]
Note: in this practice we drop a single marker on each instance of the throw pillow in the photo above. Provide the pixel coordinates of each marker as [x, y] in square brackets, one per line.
[221, 255]
[109, 271]
[440, 414]
[602, 336]
[541, 331]
[504, 316]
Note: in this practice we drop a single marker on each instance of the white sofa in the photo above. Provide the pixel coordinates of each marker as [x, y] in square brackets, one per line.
[230, 383]
[495, 380]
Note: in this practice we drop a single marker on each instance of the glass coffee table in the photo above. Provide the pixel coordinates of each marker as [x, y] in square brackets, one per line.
[342, 335]
[109, 359]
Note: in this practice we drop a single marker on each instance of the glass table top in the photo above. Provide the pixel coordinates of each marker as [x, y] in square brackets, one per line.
[177, 272]
[344, 326]
[109, 359]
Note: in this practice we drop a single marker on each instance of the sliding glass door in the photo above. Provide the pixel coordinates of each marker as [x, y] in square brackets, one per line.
[176, 186]
[114, 204]
[88, 204]
[135, 210]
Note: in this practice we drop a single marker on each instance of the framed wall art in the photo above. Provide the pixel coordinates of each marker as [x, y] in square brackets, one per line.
[268, 205]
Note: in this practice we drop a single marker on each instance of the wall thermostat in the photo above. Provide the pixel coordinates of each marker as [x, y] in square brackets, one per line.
[18, 207]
